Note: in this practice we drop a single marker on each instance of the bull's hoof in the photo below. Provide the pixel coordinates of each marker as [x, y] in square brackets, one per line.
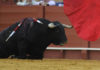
[21, 57]
[36, 58]
[12, 57]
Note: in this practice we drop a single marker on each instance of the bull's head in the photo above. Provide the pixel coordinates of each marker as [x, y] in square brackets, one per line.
[56, 31]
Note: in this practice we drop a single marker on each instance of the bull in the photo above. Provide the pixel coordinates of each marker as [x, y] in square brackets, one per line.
[32, 37]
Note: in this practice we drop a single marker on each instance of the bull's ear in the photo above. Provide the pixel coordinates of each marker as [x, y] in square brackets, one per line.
[67, 26]
[51, 25]
[38, 21]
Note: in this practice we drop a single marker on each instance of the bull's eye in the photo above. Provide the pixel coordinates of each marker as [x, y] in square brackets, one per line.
[56, 30]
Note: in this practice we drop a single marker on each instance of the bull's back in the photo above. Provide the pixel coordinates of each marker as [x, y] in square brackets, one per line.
[6, 32]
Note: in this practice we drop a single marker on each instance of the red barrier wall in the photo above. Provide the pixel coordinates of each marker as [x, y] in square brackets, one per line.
[94, 54]
[9, 14]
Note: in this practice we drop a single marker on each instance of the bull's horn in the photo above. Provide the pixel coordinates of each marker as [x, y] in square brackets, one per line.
[51, 25]
[67, 26]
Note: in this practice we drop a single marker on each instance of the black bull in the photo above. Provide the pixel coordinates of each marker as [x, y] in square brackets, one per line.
[31, 38]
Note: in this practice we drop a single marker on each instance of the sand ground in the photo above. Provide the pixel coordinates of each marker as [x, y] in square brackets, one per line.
[49, 64]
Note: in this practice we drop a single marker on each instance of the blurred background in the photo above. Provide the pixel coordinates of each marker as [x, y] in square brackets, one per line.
[34, 2]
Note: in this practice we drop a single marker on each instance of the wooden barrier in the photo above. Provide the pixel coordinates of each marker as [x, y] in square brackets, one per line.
[9, 14]
[94, 54]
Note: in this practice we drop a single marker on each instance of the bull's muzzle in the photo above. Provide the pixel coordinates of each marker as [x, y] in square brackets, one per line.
[62, 44]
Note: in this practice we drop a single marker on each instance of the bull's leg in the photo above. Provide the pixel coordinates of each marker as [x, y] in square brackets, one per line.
[22, 50]
[36, 55]
[3, 52]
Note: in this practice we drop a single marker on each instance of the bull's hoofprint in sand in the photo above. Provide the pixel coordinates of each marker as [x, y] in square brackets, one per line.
[49, 64]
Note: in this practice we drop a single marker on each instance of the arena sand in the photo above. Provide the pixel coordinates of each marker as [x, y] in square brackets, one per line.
[49, 64]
